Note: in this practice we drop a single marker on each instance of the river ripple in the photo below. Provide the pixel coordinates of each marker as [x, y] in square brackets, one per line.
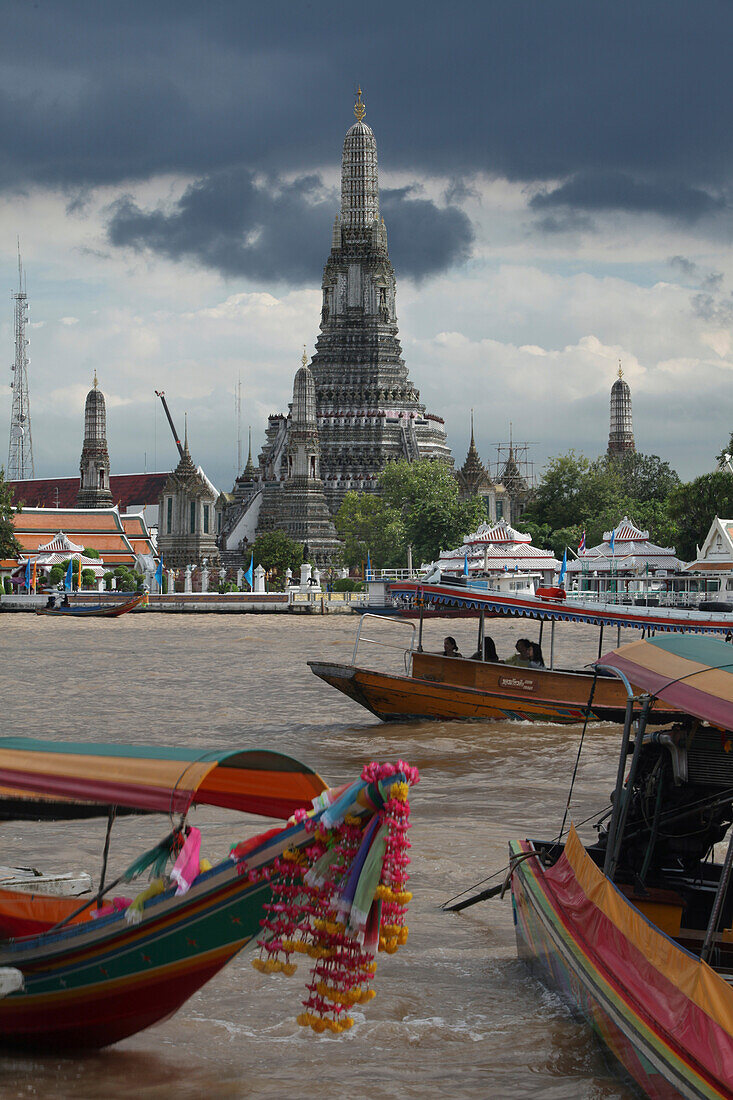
[455, 1014]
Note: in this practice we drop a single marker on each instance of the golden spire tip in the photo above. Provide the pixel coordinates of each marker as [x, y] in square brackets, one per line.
[304, 360]
[359, 108]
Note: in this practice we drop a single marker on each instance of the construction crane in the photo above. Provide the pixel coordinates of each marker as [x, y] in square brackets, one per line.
[161, 395]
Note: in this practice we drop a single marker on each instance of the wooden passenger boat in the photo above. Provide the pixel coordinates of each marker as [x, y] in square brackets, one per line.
[96, 611]
[449, 688]
[636, 929]
[90, 976]
[438, 687]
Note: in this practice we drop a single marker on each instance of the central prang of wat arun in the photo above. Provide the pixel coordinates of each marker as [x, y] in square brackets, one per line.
[367, 411]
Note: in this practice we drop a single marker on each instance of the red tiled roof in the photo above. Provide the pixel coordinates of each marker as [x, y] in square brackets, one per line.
[62, 492]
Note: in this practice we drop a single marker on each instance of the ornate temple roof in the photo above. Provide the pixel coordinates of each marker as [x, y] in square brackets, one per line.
[632, 553]
[498, 546]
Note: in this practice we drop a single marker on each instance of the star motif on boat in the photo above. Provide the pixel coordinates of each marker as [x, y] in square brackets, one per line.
[190, 942]
[145, 958]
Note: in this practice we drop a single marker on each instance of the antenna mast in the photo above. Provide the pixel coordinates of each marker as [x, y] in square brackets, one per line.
[20, 451]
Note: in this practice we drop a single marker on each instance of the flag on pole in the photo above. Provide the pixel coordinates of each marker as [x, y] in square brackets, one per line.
[159, 575]
[248, 576]
[78, 579]
[563, 567]
[581, 544]
[369, 566]
[612, 543]
[69, 577]
[33, 582]
[465, 564]
[28, 575]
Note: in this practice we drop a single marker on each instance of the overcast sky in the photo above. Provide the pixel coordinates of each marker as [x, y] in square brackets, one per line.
[556, 183]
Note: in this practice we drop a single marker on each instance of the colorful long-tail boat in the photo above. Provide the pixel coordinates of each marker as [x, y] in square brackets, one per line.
[84, 974]
[636, 929]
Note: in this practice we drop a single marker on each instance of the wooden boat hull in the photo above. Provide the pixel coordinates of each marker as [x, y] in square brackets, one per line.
[447, 688]
[95, 983]
[654, 1029]
[97, 612]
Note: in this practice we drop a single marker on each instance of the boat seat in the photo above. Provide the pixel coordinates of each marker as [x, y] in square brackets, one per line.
[660, 906]
[23, 914]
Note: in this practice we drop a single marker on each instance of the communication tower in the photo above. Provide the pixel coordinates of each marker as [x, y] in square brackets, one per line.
[20, 451]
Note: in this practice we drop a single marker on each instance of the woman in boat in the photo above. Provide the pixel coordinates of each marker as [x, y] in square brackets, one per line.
[523, 655]
[536, 658]
[490, 653]
[450, 647]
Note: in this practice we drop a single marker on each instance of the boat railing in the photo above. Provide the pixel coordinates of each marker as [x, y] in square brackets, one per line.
[382, 619]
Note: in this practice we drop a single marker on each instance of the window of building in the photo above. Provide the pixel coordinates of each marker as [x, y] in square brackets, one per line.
[499, 508]
[169, 519]
[206, 519]
[193, 516]
[101, 479]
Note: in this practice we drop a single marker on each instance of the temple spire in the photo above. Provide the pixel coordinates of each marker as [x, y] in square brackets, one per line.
[359, 108]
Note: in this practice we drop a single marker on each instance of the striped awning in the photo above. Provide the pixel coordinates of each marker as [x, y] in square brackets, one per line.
[571, 610]
[693, 674]
[71, 779]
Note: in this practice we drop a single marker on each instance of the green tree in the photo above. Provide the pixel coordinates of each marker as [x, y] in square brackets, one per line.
[56, 575]
[87, 578]
[275, 550]
[577, 495]
[90, 552]
[425, 496]
[9, 545]
[695, 505]
[367, 523]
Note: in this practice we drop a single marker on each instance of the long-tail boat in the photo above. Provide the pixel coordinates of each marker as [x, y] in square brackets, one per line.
[96, 611]
[328, 884]
[438, 687]
[636, 929]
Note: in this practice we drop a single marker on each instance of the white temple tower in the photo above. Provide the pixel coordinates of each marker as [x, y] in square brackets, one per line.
[621, 434]
[94, 487]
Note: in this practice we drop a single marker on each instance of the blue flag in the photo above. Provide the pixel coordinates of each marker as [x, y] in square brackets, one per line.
[159, 575]
[369, 566]
[612, 543]
[249, 574]
[563, 567]
[69, 578]
[28, 574]
[465, 564]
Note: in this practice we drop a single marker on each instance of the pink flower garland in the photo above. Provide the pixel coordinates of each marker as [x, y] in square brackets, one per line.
[305, 919]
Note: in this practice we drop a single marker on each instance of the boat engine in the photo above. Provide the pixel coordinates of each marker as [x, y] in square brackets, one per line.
[681, 802]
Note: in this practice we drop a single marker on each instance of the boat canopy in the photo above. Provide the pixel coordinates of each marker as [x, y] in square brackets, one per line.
[65, 779]
[693, 674]
[571, 610]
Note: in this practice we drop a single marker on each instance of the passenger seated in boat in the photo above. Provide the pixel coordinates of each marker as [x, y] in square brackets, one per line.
[51, 601]
[523, 655]
[450, 647]
[65, 601]
[537, 660]
[490, 653]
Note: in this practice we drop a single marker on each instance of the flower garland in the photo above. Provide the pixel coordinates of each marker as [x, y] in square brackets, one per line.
[341, 896]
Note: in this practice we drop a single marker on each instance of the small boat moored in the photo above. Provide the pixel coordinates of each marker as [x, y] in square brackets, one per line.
[95, 611]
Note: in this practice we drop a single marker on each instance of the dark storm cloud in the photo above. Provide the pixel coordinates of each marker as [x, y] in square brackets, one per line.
[616, 106]
[238, 224]
[616, 191]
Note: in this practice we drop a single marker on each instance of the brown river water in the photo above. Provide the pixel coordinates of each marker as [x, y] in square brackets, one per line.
[456, 1014]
